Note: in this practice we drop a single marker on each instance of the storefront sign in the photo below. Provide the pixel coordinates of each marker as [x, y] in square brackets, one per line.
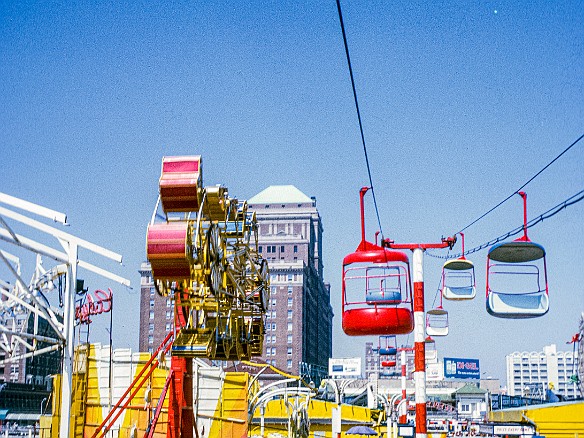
[455, 368]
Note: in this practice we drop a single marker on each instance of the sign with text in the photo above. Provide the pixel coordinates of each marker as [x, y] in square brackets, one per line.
[455, 368]
[345, 367]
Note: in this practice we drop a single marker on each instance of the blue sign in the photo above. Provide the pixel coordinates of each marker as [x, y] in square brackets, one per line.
[455, 368]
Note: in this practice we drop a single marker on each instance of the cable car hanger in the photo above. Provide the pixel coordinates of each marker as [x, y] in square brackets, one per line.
[458, 278]
[376, 288]
[517, 285]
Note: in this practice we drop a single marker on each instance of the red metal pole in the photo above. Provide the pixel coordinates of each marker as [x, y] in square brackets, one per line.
[524, 197]
[180, 399]
[403, 418]
[419, 345]
[362, 205]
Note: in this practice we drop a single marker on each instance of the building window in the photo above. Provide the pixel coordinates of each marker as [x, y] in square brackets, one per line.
[273, 351]
[289, 351]
[274, 290]
[289, 339]
[150, 339]
[289, 326]
[289, 277]
[151, 304]
[150, 328]
[152, 314]
[289, 314]
[168, 303]
[289, 363]
[273, 313]
[290, 299]
[273, 339]
[151, 292]
[168, 326]
[295, 248]
[282, 248]
[273, 302]
[168, 314]
[289, 290]
[260, 249]
[268, 340]
[268, 352]
[150, 350]
[274, 327]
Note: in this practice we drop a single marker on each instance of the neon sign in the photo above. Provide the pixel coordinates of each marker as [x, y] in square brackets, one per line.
[96, 304]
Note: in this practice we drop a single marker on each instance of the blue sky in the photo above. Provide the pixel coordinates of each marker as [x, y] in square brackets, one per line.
[462, 102]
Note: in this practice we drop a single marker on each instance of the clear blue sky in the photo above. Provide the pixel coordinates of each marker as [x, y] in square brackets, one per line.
[462, 102]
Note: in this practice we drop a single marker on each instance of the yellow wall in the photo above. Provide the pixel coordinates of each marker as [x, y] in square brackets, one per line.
[558, 420]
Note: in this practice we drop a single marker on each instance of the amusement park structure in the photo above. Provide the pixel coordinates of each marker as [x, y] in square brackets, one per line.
[389, 308]
[34, 300]
[203, 250]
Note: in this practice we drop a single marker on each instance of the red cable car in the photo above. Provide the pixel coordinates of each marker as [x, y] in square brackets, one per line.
[517, 285]
[376, 289]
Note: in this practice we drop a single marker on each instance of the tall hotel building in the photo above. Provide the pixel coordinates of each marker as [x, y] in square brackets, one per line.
[299, 319]
[531, 371]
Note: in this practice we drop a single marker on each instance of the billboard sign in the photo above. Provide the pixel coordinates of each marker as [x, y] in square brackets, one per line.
[455, 368]
[345, 367]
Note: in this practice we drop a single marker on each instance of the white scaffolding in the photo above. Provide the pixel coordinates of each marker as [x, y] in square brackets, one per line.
[22, 298]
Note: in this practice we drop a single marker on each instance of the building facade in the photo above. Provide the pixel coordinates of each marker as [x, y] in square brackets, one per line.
[299, 321]
[530, 374]
[298, 328]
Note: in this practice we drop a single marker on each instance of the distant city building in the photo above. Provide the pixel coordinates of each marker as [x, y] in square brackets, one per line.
[299, 322]
[156, 312]
[373, 362]
[298, 333]
[35, 370]
[530, 374]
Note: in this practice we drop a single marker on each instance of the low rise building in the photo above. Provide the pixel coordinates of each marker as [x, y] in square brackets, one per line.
[531, 373]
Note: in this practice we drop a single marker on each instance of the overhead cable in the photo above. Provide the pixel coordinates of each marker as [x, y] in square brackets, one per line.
[551, 212]
[359, 115]
[524, 185]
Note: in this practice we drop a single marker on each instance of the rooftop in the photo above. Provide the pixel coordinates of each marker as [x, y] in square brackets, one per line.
[287, 194]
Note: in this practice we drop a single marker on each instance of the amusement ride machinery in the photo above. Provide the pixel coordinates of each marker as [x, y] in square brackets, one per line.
[205, 255]
[203, 250]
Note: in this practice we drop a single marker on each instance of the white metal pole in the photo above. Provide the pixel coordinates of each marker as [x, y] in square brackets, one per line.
[68, 350]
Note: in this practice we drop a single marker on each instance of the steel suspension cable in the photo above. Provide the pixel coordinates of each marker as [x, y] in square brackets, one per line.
[524, 185]
[574, 199]
[358, 114]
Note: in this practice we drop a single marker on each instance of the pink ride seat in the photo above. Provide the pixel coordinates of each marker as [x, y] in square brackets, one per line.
[168, 251]
[179, 183]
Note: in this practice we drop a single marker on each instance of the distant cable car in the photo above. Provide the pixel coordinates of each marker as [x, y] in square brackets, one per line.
[437, 321]
[388, 350]
[517, 285]
[387, 345]
[458, 278]
[376, 289]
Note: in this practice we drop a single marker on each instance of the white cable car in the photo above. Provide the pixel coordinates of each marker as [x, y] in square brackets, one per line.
[517, 285]
[437, 321]
[458, 278]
